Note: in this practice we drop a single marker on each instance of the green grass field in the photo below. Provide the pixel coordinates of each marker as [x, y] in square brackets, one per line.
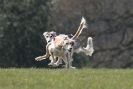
[66, 79]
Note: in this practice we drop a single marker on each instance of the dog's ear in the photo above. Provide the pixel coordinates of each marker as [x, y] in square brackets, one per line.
[44, 34]
[65, 38]
[53, 33]
[70, 35]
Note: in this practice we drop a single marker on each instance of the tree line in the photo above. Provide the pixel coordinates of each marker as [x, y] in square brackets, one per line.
[110, 23]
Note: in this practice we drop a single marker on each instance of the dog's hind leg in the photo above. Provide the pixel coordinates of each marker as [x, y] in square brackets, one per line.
[59, 61]
[52, 58]
[40, 58]
[89, 50]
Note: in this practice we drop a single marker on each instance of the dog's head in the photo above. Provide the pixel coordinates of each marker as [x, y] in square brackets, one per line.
[49, 36]
[68, 44]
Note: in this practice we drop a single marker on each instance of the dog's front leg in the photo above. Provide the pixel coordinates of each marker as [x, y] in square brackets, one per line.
[59, 61]
[70, 63]
[52, 61]
[66, 60]
[70, 55]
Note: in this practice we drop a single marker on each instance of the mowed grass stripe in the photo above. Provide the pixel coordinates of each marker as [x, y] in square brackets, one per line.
[66, 79]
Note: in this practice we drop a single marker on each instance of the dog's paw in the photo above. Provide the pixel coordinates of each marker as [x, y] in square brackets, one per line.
[51, 64]
[40, 58]
[55, 65]
[72, 67]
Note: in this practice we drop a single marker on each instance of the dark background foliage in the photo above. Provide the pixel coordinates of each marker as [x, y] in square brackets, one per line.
[110, 23]
[22, 24]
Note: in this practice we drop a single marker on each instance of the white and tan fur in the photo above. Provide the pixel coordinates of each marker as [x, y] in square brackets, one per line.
[63, 49]
[49, 36]
[52, 47]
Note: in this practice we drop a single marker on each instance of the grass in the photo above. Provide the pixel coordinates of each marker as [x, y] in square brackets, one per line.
[66, 79]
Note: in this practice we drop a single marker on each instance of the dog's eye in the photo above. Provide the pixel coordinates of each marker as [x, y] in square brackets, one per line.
[72, 43]
[51, 36]
[46, 36]
[66, 43]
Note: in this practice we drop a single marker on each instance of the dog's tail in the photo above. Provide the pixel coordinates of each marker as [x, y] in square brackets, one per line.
[80, 29]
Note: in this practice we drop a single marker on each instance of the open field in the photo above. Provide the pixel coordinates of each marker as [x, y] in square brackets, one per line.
[66, 79]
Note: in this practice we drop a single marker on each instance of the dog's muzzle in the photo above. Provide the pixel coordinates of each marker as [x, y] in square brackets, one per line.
[48, 41]
[70, 50]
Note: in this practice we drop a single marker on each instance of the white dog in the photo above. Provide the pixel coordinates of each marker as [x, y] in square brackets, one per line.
[63, 49]
[55, 49]
[49, 36]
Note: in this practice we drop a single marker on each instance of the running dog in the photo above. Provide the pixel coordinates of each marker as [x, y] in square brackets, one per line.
[49, 36]
[57, 42]
[63, 49]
